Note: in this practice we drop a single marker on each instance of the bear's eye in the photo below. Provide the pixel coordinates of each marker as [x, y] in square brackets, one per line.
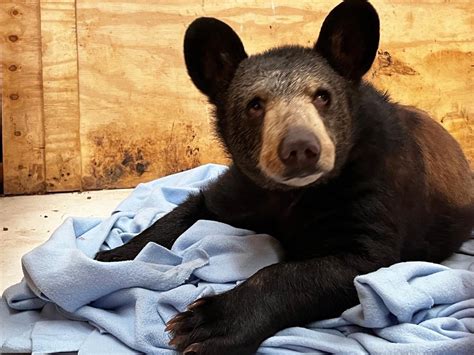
[256, 107]
[321, 98]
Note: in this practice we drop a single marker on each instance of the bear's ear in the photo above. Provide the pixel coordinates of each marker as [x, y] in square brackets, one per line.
[349, 38]
[212, 51]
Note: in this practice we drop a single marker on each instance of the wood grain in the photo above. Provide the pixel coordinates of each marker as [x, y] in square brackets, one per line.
[426, 59]
[22, 104]
[60, 95]
[139, 115]
[142, 118]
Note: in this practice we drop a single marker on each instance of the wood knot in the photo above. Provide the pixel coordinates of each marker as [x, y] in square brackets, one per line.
[14, 12]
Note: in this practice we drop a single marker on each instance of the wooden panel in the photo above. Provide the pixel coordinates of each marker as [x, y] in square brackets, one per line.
[1, 126]
[23, 139]
[426, 59]
[60, 95]
[142, 118]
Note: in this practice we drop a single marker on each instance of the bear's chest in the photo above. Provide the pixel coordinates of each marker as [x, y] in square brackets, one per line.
[313, 224]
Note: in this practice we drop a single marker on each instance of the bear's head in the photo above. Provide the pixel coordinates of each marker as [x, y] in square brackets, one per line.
[286, 116]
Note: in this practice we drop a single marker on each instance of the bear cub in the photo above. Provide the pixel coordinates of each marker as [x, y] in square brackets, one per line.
[345, 179]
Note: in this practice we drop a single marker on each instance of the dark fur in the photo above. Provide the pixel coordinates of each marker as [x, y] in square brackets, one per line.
[400, 189]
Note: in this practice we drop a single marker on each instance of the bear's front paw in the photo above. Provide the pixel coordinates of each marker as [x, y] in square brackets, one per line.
[214, 325]
[112, 255]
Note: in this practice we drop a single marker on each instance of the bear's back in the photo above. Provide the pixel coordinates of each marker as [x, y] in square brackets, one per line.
[438, 189]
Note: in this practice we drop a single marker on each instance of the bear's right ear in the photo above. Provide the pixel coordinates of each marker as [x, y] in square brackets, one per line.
[349, 38]
[212, 52]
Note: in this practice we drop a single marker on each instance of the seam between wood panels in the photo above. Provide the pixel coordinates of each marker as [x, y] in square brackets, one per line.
[78, 97]
[43, 121]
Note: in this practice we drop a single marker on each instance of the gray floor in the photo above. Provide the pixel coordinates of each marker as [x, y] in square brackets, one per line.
[27, 221]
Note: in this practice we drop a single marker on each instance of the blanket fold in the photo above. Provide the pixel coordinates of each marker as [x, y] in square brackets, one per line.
[68, 302]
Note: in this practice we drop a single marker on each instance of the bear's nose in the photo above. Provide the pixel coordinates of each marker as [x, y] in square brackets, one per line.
[299, 151]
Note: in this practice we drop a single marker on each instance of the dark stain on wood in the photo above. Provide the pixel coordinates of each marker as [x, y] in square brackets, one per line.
[121, 157]
[387, 64]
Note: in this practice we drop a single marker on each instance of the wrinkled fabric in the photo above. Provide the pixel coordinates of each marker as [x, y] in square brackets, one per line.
[68, 302]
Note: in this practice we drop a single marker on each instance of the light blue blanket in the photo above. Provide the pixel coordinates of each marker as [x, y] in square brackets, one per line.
[69, 302]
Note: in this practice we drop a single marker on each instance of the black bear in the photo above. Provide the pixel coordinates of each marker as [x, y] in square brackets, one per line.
[346, 180]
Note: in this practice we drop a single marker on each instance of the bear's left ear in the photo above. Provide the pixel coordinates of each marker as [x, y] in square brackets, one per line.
[349, 38]
[212, 51]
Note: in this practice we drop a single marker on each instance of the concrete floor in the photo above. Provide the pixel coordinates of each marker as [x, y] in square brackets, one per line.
[28, 221]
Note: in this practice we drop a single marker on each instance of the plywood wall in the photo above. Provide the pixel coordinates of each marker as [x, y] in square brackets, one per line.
[22, 97]
[60, 96]
[119, 108]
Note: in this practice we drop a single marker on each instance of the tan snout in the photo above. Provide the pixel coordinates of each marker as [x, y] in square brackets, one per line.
[296, 148]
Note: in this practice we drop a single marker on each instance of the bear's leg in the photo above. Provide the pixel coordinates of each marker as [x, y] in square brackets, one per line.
[165, 231]
[276, 297]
